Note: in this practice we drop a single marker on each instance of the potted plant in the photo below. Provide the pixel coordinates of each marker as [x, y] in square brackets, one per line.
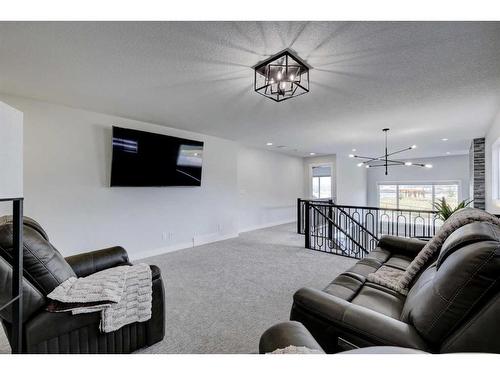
[444, 210]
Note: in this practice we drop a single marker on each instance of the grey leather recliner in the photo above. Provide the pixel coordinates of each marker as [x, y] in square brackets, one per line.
[44, 269]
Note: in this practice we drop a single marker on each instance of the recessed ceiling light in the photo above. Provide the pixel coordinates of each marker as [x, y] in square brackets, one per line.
[444, 139]
[367, 166]
[360, 164]
[408, 163]
[428, 166]
[312, 153]
[414, 146]
[269, 143]
[353, 150]
[351, 155]
[448, 152]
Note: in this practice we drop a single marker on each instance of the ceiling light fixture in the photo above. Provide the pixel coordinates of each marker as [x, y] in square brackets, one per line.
[269, 143]
[444, 139]
[353, 150]
[312, 153]
[282, 76]
[384, 161]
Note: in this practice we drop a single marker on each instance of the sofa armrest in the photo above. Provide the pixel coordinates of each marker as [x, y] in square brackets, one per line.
[285, 334]
[88, 263]
[409, 247]
[368, 326]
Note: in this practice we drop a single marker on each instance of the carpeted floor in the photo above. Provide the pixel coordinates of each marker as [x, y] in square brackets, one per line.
[220, 297]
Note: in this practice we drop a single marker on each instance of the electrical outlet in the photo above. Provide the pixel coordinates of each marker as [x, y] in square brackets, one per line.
[167, 236]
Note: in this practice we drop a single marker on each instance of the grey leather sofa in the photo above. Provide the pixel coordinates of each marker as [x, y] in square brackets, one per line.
[61, 332]
[453, 304]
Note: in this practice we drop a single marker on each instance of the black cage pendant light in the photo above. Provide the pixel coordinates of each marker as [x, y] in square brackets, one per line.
[282, 76]
[384, 161]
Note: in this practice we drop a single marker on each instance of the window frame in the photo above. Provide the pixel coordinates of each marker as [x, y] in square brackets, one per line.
[432, 183]
[332, 176]
[319, 186]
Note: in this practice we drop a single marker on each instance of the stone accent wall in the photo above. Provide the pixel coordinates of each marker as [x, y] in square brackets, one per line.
[477, 172]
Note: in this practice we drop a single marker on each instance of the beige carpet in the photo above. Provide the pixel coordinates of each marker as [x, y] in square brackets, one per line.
[220, 297]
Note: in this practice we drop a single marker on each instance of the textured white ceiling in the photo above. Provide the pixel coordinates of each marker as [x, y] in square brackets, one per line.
[425, 81]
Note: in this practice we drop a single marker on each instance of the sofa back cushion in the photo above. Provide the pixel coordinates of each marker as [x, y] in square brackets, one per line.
[44, 266]
[465, 275]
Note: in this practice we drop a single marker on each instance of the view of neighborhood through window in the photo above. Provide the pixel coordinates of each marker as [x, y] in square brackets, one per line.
[416, 196]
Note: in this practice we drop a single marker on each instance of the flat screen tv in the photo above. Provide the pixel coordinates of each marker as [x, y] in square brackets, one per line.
[147, 159]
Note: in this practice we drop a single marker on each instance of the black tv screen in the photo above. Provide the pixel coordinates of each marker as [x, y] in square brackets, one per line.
[147, 159]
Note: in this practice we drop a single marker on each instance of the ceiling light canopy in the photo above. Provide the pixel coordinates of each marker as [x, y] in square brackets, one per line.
[282, 76]
[384, 161]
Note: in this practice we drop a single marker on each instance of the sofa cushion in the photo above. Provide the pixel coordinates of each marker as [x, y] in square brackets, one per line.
[365, 266]
[345, 286]
[379, 254]
[398, 261]
[351, 285]
[380, 299]
[473, 232]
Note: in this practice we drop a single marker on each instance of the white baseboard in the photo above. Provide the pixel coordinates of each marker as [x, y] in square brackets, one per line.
[267, 225]
[201, 240]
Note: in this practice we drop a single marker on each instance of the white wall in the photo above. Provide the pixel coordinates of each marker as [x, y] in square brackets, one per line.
[67, 157]
[493, 135]
[269, 185]
[11, 152]
[351, 182]
[447, 168]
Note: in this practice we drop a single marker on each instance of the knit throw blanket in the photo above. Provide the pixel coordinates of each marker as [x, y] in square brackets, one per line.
[296, 350]
[122, 294]
[400, 280]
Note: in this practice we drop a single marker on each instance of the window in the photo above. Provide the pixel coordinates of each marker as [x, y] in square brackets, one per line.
[322, 182]
[416, 196]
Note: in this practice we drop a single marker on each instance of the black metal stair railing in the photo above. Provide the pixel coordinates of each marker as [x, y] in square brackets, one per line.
[354, 231]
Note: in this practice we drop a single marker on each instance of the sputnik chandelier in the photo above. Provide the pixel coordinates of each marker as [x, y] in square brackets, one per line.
[384, 161]
[282, 76]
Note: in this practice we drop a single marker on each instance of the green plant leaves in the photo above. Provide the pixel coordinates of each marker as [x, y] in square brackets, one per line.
[444, 210]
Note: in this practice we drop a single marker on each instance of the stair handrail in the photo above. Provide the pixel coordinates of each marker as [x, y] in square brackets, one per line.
[356, 222]
[339, 228]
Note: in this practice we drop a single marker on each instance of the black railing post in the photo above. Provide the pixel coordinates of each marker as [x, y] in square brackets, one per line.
[307, 225]
[299, 218]
[17, 276]
[330, 216]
